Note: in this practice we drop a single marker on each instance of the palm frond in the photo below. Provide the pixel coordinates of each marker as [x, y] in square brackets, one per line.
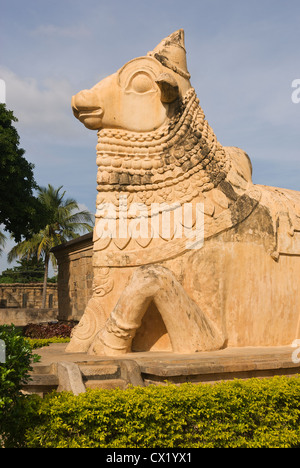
[66, 221]
[26, 248]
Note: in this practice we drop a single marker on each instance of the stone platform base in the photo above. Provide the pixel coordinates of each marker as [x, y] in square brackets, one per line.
[76, 372]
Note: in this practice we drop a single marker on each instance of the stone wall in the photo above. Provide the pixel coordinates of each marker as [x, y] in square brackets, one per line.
[27, 296]
[22, 317]
[75, 276]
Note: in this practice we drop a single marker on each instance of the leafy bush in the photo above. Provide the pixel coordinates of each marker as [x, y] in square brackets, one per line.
[14, 372]
[237, 414]
[49, 330]
[36, 343]
[28, 270]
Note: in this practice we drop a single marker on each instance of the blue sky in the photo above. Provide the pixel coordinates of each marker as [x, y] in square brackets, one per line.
[242, 55]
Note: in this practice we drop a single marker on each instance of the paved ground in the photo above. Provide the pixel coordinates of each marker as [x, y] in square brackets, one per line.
[206, 366]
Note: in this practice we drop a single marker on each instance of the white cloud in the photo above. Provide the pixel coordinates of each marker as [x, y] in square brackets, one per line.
[42, 108]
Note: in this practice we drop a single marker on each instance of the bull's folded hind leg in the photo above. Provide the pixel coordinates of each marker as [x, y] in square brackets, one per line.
[189, 329]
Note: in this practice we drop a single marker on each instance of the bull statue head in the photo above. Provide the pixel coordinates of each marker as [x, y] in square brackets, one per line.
[151, 127]
[142, 95]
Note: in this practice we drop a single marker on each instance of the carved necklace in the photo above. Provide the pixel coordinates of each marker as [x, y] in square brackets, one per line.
[174, 163]
[180, 163]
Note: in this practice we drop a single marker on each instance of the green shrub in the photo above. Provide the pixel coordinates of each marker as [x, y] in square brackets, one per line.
[14, 372]
[245, 414]
[36, 343]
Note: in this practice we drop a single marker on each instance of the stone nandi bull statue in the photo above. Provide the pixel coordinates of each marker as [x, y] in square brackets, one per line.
[156, 151]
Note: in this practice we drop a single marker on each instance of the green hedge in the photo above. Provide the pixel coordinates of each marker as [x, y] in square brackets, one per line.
[36, 343]
[244, 414]
[15, 413]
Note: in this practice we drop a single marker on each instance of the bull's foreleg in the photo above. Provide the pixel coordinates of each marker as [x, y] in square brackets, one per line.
[189, 329]
[84, 333]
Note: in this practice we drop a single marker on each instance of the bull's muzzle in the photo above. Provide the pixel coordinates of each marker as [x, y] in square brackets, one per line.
[86, 109]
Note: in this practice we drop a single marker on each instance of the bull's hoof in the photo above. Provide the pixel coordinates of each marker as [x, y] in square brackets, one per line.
[108, 344]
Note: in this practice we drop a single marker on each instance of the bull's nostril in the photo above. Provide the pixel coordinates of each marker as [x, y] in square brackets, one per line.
[100, 112]
[74, 108]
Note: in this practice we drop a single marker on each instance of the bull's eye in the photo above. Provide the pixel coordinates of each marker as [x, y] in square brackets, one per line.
[141, 83]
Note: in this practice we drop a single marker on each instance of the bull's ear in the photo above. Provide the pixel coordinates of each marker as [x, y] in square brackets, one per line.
[168, 86]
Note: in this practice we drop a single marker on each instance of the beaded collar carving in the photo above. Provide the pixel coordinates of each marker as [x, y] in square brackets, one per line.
[184, 147]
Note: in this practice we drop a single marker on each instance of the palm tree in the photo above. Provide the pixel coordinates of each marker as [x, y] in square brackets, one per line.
[65, 222]
[2, 241]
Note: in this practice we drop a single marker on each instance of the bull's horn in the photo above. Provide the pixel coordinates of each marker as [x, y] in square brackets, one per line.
[168, 86]
[172, 54]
